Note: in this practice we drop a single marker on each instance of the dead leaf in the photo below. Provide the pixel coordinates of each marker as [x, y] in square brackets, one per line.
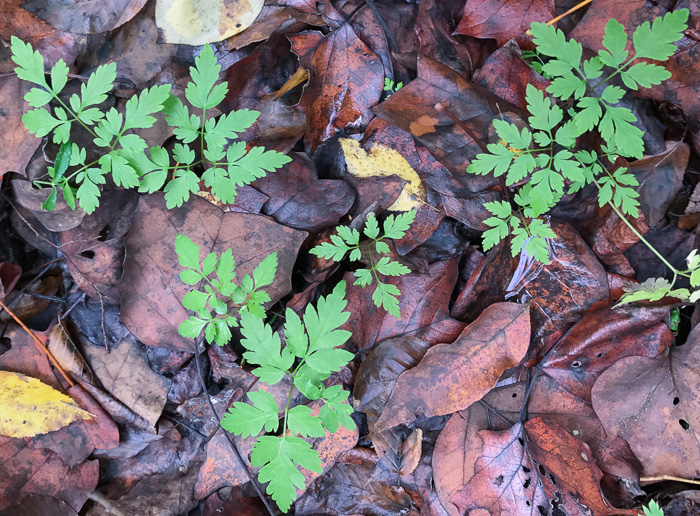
[95, 250]
[450, 377]
[124, 372]
[9, 276]
[529, 468]
[346, 81]
[84, 18]
[384, 161]
[151, 291]
[423, 303]
[504, 20]
[198, 22]
[17, 145]
[28, 471]
[653, 403]
[298, 199]
[29, 407]
[378, 373]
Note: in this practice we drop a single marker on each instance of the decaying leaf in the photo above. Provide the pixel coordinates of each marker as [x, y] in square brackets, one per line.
[453, 376]
[197, 22]
[383, 161]
[29, 407]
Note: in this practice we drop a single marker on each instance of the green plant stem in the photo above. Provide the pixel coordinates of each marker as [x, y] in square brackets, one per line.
[75, 115]
[675, 271]
[616, 72]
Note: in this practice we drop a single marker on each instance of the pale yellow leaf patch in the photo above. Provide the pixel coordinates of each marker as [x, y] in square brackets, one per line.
[29, 407]
[384, 161]
[197, 22]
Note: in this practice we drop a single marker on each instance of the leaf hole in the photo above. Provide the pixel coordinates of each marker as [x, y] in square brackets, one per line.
[515, 395]
[601, 355]
[520, 440]
[684, 424]
[527, 502]
[528, 480]
[499, 480]
[551, 479]
[5, 345]
[104, 234]
[676, 400]
[576, 364]
[541, 469]
[526, 469]
[90, 255]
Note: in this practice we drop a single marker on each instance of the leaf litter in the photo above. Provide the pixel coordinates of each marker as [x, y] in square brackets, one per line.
[502, 386]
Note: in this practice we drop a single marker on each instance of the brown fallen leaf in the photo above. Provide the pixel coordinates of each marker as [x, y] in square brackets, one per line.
[346, 81]
[9, 276]
[28, 471]
[83, 18]
[450, 377]
[151, 290]
[531, 467]
[654, 404]
[124, 372]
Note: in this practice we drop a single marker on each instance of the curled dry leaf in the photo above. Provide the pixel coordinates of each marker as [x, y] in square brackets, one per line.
[654, 404]
[453, 376]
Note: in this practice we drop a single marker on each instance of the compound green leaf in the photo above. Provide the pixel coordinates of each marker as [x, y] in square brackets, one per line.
[98, 85]
[139, 108]
[296, 339]
[589, 114]
[371, 229]
[497, 161]
[391, 268]
[192, 327]
[185, 126]
[39, 122]
[264, 273]
[228, 126]
[322, 322]
[264, 349]
[385, 296]
[178, 189]
[201, 91]
[30, 62]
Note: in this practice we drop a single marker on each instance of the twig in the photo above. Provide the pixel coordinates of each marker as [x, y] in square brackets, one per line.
[567, 13]
[671, 478]
[40, 345]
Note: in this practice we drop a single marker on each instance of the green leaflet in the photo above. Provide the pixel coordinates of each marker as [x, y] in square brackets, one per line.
[347, 240]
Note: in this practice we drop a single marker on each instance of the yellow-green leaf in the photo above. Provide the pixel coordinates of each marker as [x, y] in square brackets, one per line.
[29, 407]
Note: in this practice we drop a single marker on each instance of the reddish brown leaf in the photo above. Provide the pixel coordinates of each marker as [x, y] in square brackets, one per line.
[28, 471]
[503, 19]
[561, 291]
[346, 80]
[151, 290]
[612, 238]
[377, 375]
[9, 275]
[412, 109]
[527, 468]
[654, 404]
[507, 75]
[24, 356]
[17, 145]
[298, 199]
[602, 338]
[423, 303]
[453, 376]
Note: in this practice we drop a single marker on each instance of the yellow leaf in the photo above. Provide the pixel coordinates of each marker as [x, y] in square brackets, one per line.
[384, 161]
[197, 22]
[29, 407]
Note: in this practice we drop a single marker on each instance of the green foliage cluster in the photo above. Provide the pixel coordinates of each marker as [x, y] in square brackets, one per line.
[124, 156]
[348, 240]
[542, 161]
[653, 509]
[312, 352]
[391, 87]
[217, 273]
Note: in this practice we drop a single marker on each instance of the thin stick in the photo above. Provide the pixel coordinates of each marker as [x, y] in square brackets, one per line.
[669, 477]
[573, 9]
[39, 344]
